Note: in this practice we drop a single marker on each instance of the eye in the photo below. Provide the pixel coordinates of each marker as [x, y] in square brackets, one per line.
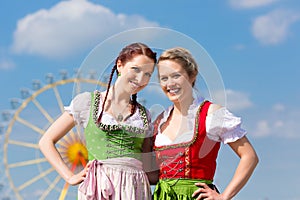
[135, 69]
[176, 76]
[148, 74]
[163, 79]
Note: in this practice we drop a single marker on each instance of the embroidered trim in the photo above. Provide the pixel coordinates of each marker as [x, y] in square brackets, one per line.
[184, 144]
[108, 127]
[187, 161]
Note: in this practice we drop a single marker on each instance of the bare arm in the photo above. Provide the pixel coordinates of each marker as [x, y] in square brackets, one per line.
[47, 145]
[149, 161]
[245, 168]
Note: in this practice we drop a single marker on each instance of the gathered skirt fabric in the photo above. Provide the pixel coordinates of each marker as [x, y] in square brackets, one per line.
[115, 179]
[176, 189]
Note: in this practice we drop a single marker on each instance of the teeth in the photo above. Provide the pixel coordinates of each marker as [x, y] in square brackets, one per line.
[174, 91]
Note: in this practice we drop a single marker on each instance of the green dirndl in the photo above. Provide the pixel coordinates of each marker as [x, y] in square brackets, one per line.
[176, 189]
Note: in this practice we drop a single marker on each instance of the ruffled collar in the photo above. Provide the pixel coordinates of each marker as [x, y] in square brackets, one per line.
[192, 111]
[137, 123]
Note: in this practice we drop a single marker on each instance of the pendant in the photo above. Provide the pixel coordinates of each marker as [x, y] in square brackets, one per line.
[119, 117]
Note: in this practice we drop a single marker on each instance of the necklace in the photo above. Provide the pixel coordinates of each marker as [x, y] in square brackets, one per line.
[121, 113]
[120, 116]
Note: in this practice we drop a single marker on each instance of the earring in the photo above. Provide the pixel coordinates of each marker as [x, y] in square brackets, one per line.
[119, 74]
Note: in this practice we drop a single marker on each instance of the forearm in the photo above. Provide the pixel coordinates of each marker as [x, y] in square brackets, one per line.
[242, 174]
[47, 143]
[52, 155]
[149, 161]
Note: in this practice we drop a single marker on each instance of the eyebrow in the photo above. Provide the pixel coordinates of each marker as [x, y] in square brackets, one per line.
[140, 66]
[173, 73]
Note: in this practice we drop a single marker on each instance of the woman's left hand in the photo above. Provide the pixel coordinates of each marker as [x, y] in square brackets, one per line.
[205, 192]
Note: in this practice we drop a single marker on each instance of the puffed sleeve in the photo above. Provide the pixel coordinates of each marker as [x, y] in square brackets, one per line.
[80, 108]
[223, 126]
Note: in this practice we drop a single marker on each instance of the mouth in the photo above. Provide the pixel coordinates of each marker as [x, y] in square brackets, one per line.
[134, 85]
[173, 91]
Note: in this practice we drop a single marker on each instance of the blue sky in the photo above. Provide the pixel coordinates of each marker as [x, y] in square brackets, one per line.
[253, 43]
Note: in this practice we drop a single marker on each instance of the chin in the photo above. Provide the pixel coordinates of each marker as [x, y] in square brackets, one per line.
[134, 91]
[173, 98]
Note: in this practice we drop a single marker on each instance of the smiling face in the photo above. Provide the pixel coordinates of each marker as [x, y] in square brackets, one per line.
[136, 73]
[174, 81]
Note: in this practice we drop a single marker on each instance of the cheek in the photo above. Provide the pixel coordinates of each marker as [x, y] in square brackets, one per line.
[147, 79]
[187, 84]
[128, 73]
[163, 87]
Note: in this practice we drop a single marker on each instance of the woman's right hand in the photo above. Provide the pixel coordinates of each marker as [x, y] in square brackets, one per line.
[76, 179]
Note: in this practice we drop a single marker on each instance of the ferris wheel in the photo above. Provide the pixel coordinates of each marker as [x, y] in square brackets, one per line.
[29, 174]
[5, 190]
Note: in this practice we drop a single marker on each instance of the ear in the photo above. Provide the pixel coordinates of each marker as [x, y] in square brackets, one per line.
[119, 65]
[192, 79]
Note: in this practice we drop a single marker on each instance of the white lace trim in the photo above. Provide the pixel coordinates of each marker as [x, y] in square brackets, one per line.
[221, 126]
[80, 109]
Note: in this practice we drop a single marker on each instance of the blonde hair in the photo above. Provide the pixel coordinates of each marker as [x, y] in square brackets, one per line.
[184, 58]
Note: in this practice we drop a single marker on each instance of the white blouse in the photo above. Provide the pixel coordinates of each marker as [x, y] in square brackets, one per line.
[221, 126]
[80, 109]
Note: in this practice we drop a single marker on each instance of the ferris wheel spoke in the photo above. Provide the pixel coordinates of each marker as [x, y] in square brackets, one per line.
[28, 124]
[63, 143]
[34, 179]
[58, 98]
[66, 187]
[65, 158]
[71, 138]
[24, 144]
[79, 132]
[59, 101]
[26, 163]
[42, 110]
[67, 140]
[71, 146]
[62, 149]
[72, 132]
[50, 188]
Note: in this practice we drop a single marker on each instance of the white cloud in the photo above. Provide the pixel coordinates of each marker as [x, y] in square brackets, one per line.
[235, 100]
[278, 121]
[239, 47]
[278, 107]
[241, 4]
[69, 27]
[263, 128]
[6, 64]
[273, 27]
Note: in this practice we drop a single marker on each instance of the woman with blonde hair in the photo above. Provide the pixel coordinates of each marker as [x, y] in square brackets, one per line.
[188, 136]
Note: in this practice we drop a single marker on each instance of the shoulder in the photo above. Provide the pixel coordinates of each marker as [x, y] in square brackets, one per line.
[213, 107]
[81, 100]
[83, 95]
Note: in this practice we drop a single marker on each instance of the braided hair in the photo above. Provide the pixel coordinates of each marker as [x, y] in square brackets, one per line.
[126, 55]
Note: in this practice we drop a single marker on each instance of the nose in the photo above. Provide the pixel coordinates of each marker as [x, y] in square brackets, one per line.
[170, 82]
[142, 79]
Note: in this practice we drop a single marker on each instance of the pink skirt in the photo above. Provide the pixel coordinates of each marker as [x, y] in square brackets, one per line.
[115, 179]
